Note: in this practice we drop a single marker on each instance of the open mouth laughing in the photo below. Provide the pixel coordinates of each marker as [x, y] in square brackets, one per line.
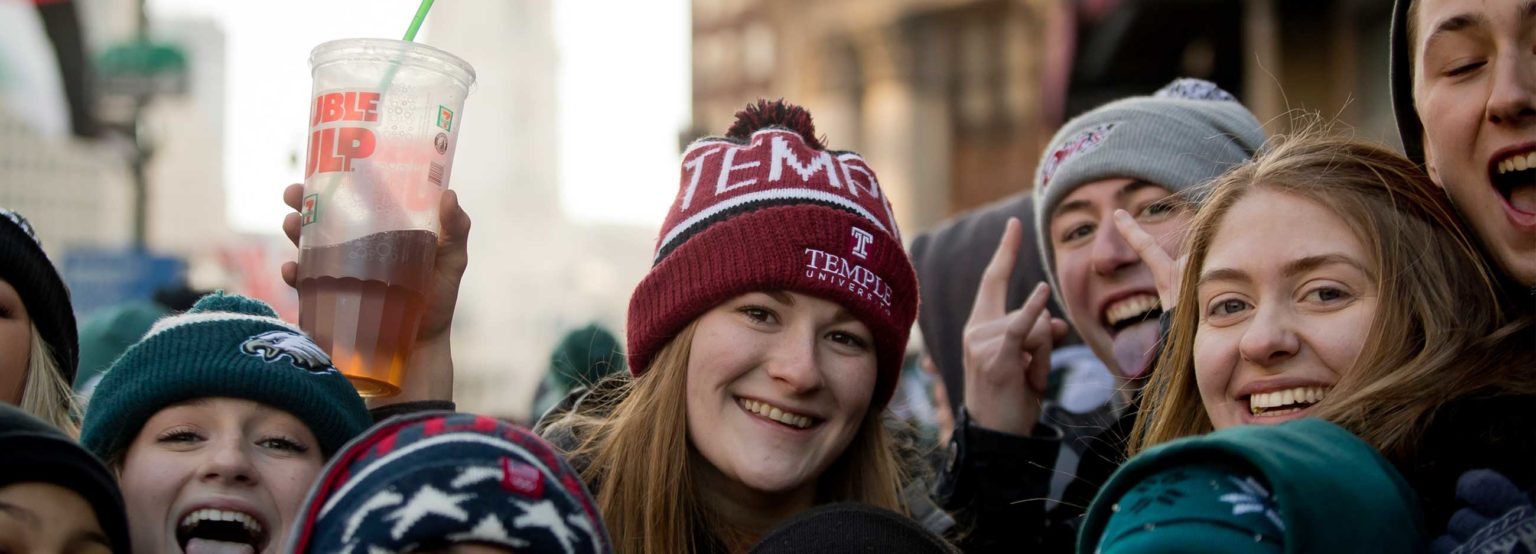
[1288, 401]
[215, 531]
[777, 414]
[1513, 174]
[1131, 310]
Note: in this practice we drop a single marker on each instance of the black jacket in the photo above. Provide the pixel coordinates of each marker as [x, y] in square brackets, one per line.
[997, 485]
[1496, 432]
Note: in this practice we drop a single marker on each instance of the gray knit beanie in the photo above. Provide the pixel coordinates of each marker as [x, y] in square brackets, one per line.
[1182, 136]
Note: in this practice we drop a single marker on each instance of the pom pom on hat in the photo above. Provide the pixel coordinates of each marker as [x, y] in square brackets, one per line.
[766, 114]
[218, 301]
[768, 208]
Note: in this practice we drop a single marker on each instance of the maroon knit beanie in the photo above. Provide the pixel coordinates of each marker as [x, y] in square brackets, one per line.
[766, 208]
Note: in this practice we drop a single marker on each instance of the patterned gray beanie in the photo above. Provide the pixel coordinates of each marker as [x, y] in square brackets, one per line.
[1183, 136]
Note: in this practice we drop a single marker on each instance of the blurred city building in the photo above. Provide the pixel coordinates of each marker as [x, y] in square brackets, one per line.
[953, 100]
[75, 179]
[534, 275]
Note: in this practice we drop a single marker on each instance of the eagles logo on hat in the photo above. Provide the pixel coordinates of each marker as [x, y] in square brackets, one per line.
[440, 478]
[225, 346]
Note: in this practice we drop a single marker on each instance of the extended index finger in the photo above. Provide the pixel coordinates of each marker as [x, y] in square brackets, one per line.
[992, 292]
[1146, 247]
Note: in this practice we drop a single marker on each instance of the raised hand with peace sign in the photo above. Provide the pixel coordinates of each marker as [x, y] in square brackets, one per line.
[1008, 354]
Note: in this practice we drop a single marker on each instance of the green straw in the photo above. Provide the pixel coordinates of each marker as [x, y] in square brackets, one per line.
[421, 15]
[389, 77]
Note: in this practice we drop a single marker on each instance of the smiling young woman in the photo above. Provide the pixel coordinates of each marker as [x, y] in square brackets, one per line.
[1382, 249]
[764, 345]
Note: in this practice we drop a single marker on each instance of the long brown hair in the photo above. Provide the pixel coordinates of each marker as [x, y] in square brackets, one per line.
[636, 442]
[1436, 330]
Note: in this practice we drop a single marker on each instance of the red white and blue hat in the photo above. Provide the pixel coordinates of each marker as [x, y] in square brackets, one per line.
[432, 479]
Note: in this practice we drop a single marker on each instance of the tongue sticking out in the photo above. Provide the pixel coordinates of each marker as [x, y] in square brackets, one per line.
[1133, 349]
[206, 546]
[1523, 198]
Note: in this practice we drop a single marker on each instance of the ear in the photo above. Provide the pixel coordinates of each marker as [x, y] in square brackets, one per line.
[1430, 164]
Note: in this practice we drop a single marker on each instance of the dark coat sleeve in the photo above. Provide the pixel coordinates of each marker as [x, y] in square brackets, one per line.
[996, 485]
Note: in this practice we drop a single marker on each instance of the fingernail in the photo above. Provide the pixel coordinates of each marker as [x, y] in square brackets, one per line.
[1122, 214]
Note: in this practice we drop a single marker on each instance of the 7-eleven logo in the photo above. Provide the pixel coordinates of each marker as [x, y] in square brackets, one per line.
[445, 118]
[309, 213]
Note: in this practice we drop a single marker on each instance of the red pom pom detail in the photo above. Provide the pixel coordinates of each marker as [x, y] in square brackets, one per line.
[765, 113]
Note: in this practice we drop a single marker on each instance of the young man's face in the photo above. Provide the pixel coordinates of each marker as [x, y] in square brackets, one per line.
[1109, 294]
[1475, 89]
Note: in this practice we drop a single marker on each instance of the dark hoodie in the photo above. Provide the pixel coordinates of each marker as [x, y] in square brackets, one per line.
[1492, 430]
[34, 452]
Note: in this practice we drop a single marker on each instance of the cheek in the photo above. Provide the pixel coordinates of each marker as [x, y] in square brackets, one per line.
[1215, 359]
[1340, 341]
[289, 481]
[853, 384]
[15, 349]
[1072, 280]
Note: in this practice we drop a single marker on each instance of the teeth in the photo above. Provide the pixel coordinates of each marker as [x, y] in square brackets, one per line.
[1130, 307]
[1292, 399]
[208, 514]
[776, 414]
[1518, 162]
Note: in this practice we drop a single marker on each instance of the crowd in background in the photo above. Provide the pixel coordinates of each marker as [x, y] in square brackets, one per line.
[1188, 336]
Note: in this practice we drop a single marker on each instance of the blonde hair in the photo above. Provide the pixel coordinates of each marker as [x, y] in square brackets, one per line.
[639, 462]
[45, 393]
[1437, 329]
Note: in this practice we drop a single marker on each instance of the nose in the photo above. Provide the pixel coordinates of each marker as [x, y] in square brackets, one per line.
[794, 363]
[1513, 98]
[1269, 339]
[1110, 252]
[226, 462]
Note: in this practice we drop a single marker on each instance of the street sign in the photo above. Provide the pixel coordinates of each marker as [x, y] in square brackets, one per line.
[101, 277]
[142, 68]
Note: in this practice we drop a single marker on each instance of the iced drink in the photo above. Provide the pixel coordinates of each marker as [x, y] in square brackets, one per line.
[384, 121]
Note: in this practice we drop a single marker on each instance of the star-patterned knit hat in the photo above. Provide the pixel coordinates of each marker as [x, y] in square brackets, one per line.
[767, 207]
[225, 346]
[439, 478]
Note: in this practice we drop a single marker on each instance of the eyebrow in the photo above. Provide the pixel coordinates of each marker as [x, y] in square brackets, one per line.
[1461, 22]
[18, 512]
[781, 296]
[1084, 205]
[1291, 269]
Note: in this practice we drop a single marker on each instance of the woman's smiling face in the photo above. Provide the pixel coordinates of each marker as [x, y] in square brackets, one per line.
[778, 385]
[1285, 309]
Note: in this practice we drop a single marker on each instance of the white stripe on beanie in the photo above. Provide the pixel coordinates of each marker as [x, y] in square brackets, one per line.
[764, 196]
[172, 322]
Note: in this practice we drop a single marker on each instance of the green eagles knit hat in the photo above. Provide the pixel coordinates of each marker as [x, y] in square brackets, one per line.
[1184, 135]
[225, 346]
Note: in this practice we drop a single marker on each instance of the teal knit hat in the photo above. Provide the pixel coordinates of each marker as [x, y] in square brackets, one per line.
[225, 346]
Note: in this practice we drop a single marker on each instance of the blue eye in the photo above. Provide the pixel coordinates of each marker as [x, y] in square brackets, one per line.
[1327, 294]
[1228, 307]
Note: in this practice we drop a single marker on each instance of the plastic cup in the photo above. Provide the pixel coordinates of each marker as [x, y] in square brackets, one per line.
[384, 121]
